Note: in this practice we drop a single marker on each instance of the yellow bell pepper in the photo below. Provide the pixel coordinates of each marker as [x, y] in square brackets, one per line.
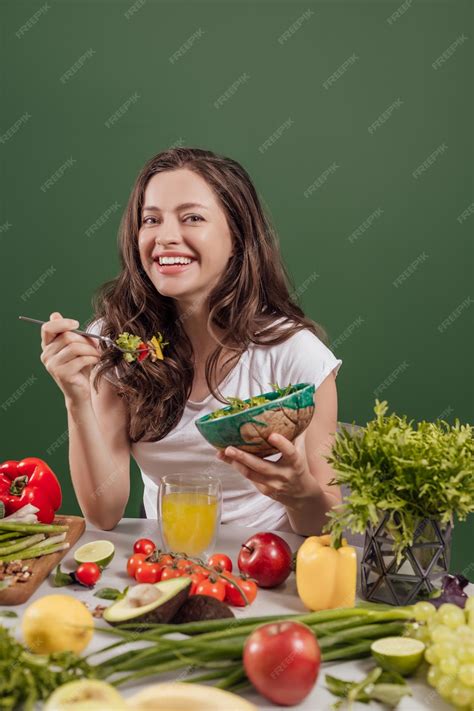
[326, 576]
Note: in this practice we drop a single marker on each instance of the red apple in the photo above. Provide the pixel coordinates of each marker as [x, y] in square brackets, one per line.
[282, 661]
[266, 558]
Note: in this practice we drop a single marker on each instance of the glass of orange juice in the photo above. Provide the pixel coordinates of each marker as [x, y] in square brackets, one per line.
[189, 507]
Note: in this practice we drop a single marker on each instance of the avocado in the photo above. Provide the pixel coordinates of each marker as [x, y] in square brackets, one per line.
[202, 607]
[156, 603]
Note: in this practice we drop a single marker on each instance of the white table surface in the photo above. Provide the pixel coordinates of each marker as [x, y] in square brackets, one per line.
[283, 600]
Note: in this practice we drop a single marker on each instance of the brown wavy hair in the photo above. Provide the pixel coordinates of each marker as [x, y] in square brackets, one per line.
[250, 296]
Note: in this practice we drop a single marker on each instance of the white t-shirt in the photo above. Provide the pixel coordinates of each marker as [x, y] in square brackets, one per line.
[301, 358]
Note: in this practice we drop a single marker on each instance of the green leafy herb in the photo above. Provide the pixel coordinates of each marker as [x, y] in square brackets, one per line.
[27, 678]
[61, 579]
[110, 593]
[8, 613]
[386, 687]
[237, 405]
[410, 471]
[283, 391]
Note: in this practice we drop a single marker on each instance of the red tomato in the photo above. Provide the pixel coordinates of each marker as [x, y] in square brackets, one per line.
[200, 570]
[148, 573]
[144, 545]
[233, 596]
[220, 561]
[169, 572]
[133, 561]
[87, 574]
[282, 661]
[166, 559]
[212, 589]
[196, 579]
[184, 563]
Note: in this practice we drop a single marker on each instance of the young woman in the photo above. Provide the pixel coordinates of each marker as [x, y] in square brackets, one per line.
[233, 329]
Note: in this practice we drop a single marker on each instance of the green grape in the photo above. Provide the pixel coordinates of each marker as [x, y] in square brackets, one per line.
[421, 633]
[449, 666]
[431, 655]
[441, 633]
[466, 674]
[423, 611]
[434, 675]
[461, 695]
[444, 686]
[446, 649]
[464, 633]
[451, 615]
[469, 606]
[465, 653]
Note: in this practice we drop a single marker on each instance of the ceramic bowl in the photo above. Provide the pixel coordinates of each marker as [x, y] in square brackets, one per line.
[249, 429]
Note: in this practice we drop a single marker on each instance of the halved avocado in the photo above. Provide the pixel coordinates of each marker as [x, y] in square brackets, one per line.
[172, 595]
[202, 607]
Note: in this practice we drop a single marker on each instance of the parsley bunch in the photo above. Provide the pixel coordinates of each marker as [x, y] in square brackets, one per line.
[410, 471]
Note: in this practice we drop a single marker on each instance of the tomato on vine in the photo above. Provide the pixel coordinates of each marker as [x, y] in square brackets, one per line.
[212, 588]
[234, 597]
[184, 564]
[133, 562]
[168, 572]
[196, 579]
[165, 559]
[221, 562]
[148, 573]
[144, 545]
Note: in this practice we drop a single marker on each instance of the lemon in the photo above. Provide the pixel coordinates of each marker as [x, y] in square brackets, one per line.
[55, 623]
[99, 552]
[85, 695]
[398, 654]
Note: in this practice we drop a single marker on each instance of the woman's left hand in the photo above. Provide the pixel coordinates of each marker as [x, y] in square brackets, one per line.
[288, 480]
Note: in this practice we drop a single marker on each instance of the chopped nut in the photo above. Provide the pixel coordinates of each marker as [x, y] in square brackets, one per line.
[98, 611]
[15, 572]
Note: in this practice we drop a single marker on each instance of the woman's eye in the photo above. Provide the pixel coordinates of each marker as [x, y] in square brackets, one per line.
[150, 220]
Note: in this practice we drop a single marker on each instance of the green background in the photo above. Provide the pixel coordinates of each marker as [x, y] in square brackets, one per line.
[340, 282]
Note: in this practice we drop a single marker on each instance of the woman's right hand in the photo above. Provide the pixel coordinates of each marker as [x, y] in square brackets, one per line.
[68, 357]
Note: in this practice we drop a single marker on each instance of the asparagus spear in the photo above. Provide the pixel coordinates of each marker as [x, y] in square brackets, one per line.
[31, 527]
[26, 542]
[34, 552]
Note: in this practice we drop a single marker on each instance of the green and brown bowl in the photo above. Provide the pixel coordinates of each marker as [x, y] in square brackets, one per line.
[249, 429]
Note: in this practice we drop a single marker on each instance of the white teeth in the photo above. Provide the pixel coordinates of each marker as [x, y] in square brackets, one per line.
[174, 260]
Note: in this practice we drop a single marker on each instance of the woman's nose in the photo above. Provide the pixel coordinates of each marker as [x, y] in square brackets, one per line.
[168, 234]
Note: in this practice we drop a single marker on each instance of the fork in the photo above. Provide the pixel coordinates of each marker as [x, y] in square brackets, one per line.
[107, 339]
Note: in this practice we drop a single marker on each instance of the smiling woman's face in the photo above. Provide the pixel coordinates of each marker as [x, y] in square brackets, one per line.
[181, 216]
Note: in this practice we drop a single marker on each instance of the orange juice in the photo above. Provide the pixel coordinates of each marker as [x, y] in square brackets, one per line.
[188, 521]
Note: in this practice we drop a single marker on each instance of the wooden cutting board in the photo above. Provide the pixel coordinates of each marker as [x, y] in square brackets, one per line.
[41, 567]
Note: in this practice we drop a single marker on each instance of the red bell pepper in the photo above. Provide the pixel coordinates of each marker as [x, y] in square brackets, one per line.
[30, 481]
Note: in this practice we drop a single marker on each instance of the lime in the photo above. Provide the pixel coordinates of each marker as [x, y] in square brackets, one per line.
[100, 552]
[398, 654]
